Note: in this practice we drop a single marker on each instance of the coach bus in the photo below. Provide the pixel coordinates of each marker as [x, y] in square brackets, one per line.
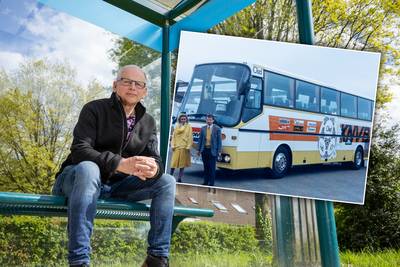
[271, 119]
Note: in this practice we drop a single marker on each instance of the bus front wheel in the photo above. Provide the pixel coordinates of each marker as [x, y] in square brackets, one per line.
[281, 163]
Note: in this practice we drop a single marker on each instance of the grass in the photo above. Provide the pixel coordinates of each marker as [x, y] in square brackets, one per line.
[256, 259]
[387, 258]
[222, 260]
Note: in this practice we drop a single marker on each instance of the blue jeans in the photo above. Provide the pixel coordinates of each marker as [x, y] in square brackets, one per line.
[82, 186]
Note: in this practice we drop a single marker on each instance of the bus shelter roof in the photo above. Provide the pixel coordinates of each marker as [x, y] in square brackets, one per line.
[142, 21]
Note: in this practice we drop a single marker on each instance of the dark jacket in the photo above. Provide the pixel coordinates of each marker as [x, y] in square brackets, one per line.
[216, 142]
[100, 136]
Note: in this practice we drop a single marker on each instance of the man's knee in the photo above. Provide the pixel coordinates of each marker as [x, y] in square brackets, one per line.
[88, 173]
[167, 181]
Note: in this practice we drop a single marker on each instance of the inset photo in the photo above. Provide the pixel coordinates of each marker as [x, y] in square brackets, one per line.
[272, 117]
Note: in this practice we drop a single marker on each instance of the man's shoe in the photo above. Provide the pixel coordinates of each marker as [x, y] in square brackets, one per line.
[155, 261]
[204, 184]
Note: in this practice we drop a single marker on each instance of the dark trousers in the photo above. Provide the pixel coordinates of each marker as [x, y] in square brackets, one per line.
[209, 162]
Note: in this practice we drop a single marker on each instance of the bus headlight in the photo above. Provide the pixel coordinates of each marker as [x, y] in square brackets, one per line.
[227, 158]
[224, 158]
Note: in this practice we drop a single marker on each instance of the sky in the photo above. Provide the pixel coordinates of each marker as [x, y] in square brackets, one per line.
[393, 107]
[31, 30]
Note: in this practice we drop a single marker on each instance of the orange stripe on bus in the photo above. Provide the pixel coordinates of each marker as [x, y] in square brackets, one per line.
[293, 125]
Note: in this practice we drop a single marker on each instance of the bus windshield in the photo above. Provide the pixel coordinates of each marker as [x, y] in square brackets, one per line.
[216, 89]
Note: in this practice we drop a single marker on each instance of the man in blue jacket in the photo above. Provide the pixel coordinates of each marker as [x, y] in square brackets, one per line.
[114, 154]
[209, 147]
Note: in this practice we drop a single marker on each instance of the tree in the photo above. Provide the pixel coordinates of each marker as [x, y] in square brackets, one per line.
[265, 19]
[126, 52]
[355, 24]
[39, 104]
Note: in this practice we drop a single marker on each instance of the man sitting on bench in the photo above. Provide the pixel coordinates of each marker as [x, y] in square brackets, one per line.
[114, 154]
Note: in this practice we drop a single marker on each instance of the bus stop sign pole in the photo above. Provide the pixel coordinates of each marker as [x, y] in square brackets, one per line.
[329, 248]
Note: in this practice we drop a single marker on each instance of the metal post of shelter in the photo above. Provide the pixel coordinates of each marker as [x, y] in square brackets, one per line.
[329, 248]
[284, 235]
[327, 234]
[165, 90]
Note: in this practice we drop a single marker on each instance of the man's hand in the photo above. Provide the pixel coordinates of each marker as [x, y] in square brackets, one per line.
[140, 166]
[146, 167]
[127, 165]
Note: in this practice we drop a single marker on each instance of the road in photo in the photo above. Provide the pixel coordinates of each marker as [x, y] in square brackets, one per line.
[312, 181]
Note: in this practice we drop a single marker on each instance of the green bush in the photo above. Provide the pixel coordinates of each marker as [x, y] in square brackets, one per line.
[375, 225]
[31, 240]
[39, 241]
[206, 237]
[43, 241]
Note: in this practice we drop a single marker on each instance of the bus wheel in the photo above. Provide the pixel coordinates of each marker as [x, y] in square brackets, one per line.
[358, 161]
[281, 163]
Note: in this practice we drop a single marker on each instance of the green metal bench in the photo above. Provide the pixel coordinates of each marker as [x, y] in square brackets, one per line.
[56, 206]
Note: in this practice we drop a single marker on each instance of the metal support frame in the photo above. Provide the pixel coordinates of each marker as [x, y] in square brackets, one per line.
[329, 248]
[175, 222]
[305, 21]
[181, 8]
[283, 210]
[283, 233]
[139, 10]
[165, 91]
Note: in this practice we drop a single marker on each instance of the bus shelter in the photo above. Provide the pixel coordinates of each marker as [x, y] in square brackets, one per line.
[157, 25]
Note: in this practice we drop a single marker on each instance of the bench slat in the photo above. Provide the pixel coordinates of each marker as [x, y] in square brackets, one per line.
[48, 205]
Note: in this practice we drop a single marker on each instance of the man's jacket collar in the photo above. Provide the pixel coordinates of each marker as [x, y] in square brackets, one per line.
[140, 110]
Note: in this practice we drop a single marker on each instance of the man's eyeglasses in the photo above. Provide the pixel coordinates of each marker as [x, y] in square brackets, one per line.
[129, 82]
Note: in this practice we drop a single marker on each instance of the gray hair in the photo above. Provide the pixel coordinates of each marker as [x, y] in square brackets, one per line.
[130, 67]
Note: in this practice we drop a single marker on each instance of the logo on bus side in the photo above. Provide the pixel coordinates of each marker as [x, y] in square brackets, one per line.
[258, 70]
[327, 143]
[354, 133]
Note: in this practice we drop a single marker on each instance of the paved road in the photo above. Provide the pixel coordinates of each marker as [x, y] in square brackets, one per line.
[328, 182]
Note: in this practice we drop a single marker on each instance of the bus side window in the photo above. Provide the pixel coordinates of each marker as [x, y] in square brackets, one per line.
[364, 109]
[279, 90]
[348, 105]
[330, 101]
[307, 96]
